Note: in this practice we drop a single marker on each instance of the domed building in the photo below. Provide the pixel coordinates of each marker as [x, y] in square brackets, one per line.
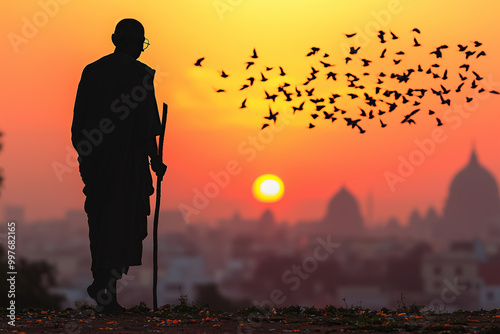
[473, 203]
[343, 216]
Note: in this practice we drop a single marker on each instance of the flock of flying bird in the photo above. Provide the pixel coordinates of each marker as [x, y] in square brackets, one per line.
[380, 102]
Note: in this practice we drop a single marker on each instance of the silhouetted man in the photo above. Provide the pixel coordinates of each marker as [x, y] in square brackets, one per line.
[115, 124]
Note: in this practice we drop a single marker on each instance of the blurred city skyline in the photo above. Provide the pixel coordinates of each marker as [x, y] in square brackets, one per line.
[337, 259]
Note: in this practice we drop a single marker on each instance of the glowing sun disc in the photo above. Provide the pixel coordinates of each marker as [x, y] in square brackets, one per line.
[268, 188]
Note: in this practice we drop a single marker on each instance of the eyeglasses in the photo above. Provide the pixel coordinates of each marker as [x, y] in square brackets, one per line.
[146, 44]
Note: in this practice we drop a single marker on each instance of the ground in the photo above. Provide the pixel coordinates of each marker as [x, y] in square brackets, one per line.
[295, 319]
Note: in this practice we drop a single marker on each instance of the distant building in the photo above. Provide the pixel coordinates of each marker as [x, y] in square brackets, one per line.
[490, 285]
[452, 276]
[184, 274]
[14, 213]
[343, 217]
[473, 204]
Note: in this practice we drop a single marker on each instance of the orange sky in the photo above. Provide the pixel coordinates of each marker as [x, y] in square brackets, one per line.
[41, 68]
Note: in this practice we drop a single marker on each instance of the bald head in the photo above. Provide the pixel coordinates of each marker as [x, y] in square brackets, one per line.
[129, 37]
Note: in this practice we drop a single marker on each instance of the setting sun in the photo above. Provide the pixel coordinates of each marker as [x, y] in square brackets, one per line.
[268, 188]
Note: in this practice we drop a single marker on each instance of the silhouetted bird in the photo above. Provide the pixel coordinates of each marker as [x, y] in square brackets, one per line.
[198, 62]
[431, 112]
[494, 92]
[380, 35]
[443, 101]
[251, 79]
[249, 63]
[254, 55]
[352, 123]
[334, 96]
[438, 53]
[382, 123]
[461, 48]
[271, 117]
[350, 35]
[363, 113]
[271, 97]
[463, 78]
[397, 61]
[415, 42]
[299, 108]
[416, 30]
[478, 77]
[408, 117]
[445, 75]
[219, 90]
[317, 100]
[392, 106]
[393, 36]
[366, 62]
[382, 55]
[310, 92]
[264, 126]
[327, 115]
[445, 91]
[311, 125]
[268, 68]
[331, 75]
[482, 53]
[439, 121]
[325, 64]
[299, 94]
[318, 108]
[347, 59]
[263, 78]
[244, 87]
[466, 66]
[282, 73]
[353, 96]
[477, 44]
[473, 85]
[354, 50]
[224, 75]
[459, 87]
[469, 53]
[243, 105]
[468, 99]
[313, 52]
[435, 92]
[314, 116]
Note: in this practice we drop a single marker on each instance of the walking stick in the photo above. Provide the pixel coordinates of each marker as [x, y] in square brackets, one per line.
[157, 211]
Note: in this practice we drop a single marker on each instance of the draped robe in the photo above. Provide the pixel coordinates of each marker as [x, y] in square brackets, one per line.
[115, 119]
